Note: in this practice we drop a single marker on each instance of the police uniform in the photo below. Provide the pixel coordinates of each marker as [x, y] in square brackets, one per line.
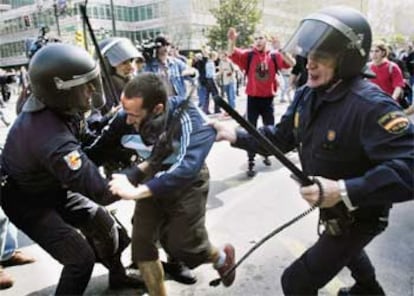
[346, 130]
[42, 161]
[354, 132]
[115, 50]
[49, 186]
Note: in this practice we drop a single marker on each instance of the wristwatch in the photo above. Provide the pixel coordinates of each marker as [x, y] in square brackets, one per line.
[343, 193]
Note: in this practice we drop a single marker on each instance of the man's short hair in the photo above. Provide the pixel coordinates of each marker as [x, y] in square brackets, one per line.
[261, 33]
[162, 40]
[148, 86]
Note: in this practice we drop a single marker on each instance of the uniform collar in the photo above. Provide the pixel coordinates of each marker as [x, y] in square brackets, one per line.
[336, 92]
[33, 104]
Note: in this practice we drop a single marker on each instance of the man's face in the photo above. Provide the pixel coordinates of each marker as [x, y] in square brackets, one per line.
[134, 110]
[377, 54]
[321, 69]
[85, 94]
[163, 50]
[125, 68]
[260, 42]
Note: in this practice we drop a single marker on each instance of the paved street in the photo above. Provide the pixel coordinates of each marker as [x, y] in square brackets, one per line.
[242, 211]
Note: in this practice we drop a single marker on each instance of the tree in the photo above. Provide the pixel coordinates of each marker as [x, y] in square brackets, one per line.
[243, 15]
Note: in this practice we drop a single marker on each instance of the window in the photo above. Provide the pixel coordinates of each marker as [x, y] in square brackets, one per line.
[102, 12]
[118, 13]
[150, 12]
[108, 12]
[130, 13]
[95, 12]
[136, 14]
[143, 13]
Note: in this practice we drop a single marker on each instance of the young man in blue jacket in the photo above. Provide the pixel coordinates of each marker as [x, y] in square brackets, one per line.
[172, 200]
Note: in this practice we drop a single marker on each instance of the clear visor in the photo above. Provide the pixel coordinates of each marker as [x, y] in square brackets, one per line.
[119, 51]
[318, 38]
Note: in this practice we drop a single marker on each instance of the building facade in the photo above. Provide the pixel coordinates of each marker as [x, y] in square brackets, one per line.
[185, 21]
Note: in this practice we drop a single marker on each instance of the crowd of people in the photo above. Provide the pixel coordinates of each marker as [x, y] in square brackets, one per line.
[135, 116]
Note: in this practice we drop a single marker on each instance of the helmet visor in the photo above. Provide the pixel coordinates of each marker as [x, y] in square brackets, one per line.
[120, 50]
[316, 37]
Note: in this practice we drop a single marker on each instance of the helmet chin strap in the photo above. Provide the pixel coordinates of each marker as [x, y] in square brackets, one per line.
[335, 79]
[329, 86]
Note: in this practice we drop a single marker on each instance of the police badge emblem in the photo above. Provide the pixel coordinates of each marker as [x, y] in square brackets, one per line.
[395, 122]
[73, 160]
[331, 135]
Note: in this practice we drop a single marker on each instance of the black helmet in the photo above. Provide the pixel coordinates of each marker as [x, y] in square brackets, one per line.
[338, 31]
[117, 50]
[65, 78]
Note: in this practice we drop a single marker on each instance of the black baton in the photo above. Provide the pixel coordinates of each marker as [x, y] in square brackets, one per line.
[104, 69]
[297, 174]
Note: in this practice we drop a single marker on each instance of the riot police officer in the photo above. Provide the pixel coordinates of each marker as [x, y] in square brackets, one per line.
[50, 188]
[119, 54]
[119, 60]
[354, 138]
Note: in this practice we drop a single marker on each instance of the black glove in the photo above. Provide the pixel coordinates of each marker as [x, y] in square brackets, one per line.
[134, 174]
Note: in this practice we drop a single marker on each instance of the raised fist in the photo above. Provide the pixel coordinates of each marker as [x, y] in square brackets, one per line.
[232, 34]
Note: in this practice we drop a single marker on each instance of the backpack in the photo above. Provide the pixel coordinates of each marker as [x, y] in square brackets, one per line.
[250, 57]
[405, 98]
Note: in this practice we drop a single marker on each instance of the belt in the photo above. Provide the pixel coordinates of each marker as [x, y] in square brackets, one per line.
[3, 178]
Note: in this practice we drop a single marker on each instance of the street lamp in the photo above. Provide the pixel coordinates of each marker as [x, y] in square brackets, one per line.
[55, 9]
[111, 2]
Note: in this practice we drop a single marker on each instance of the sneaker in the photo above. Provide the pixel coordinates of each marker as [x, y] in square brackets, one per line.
[250, 169]
[179, 272]
[228, 279]
[6, 280]
[132, 265]
[251, 173]
[267, 161]
[123, 281]
[18, 258]
[358, 289]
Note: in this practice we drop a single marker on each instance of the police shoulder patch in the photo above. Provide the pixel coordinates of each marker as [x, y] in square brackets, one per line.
[73, 160]
[394, 122]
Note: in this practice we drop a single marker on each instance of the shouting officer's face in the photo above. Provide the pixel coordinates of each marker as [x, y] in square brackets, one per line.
[321, 69]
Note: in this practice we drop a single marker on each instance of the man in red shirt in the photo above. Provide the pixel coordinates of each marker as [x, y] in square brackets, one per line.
[389, 76]
[260, 69]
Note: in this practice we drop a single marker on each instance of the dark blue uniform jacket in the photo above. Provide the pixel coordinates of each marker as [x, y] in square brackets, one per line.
[42, 155]
[354, 132]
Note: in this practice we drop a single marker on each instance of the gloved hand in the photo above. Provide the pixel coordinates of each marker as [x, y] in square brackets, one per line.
[133, 174]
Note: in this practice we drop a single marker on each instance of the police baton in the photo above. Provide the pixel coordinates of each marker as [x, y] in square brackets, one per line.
[297, 174]
[104, 69]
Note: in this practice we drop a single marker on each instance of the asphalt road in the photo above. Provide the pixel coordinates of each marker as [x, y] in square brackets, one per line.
[242, 211]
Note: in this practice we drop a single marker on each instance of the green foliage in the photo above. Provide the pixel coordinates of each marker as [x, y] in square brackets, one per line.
[243, 15]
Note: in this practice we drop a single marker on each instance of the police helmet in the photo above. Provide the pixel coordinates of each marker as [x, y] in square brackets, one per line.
[65, 78]
[117, 50]
[337, 31]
